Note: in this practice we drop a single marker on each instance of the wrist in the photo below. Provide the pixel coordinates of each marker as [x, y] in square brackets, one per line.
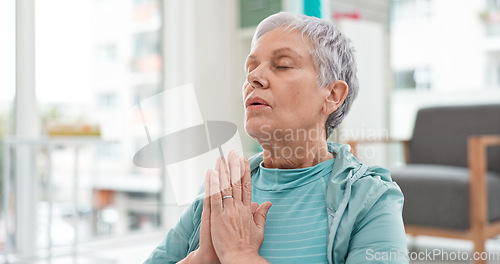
[192, 258]
[189, 259]
[244, 258]
[257, 259]
[198, 257]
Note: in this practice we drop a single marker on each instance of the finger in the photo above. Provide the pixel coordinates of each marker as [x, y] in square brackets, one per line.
[208, 193]
[225, 186]
[205, 214]
[260, 215]
[235, 172]
[215, 196]
[224, 171]
[217, 167]
[246, 183]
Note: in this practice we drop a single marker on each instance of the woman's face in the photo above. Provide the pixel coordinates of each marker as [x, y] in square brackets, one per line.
[280, 71]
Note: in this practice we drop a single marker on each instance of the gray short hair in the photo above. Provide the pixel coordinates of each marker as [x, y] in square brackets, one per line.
[333, 55]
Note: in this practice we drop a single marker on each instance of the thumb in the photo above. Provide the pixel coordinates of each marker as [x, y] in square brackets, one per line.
[254, 207]
[261, 214]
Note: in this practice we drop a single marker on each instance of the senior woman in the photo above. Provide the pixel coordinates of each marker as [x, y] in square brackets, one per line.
[302, 200]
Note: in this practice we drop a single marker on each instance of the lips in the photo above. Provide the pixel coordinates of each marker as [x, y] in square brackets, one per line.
[255, 102]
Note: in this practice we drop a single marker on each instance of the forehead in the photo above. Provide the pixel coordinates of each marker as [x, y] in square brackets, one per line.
[282, 39]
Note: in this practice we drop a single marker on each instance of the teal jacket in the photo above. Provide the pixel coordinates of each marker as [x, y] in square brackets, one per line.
[364, 216]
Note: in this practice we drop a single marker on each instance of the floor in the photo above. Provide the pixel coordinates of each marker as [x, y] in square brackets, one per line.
[135, 250]
[440, 250]
[132, 250]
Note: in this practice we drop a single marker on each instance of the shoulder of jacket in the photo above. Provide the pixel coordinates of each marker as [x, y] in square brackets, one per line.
[375, 183]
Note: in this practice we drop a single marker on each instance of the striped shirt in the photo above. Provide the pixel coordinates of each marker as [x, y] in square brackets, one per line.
[297, 223]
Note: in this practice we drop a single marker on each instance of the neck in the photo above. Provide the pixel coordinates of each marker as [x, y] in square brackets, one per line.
[293, 152]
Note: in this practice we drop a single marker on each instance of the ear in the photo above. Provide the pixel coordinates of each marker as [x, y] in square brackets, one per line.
[337, 94]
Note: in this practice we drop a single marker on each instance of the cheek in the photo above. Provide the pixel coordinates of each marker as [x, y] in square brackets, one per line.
[300, 104]
[299, 98]
[245, 90]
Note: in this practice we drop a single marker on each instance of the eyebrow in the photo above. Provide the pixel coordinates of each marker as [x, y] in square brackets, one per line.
[252, 58]
[281, 50]
[276, 52]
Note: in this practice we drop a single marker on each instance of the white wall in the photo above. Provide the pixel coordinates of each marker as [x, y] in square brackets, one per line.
[368, 116]
[199, 47]
[452, 42]
[449, 42]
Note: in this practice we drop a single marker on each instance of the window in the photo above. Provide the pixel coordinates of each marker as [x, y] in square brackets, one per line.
[83, 62]
[146, 52]
[410, 10]
[107, 101]
[432, 61]
[419, 78]
[7, 82]
[7, 65]
[493, 70]
[146, 43]
[491, 17]
[405, 79]
[107, 53]
[493, 4]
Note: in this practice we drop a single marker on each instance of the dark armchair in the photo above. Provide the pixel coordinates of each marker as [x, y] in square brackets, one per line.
[451, 181]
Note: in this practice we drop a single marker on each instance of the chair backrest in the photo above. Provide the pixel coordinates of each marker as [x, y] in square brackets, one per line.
[440, 134]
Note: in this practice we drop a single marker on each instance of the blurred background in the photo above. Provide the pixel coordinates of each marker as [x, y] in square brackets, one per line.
[71, 70]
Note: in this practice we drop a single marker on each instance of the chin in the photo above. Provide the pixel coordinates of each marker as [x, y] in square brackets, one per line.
[258, 130]
[251, 130]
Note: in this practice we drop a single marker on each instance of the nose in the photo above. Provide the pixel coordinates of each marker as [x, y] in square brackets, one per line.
[257, 78]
